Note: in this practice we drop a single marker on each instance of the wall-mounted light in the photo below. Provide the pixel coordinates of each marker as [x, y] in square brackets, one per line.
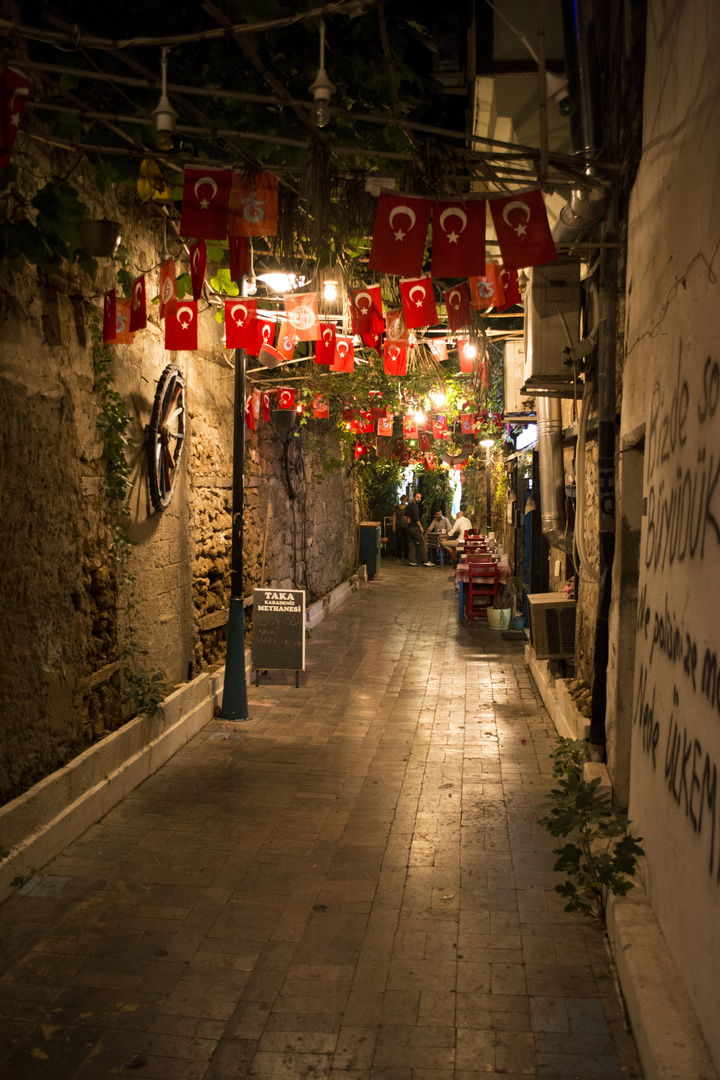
[279, 282]
[330, 290]
[164, 115]
[322, 89]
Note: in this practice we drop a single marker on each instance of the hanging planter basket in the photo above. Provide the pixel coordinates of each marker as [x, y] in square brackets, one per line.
[99, 239]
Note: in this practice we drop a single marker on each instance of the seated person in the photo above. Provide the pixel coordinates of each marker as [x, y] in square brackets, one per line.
[462, 525]
[438, 525]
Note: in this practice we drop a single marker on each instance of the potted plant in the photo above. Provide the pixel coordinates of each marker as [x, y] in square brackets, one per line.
[516, 588]
[498, 616]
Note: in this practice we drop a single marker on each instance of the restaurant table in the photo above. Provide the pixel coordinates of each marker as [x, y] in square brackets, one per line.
[462, 574]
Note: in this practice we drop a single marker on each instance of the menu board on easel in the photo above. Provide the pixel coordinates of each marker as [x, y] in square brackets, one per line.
[278, 629]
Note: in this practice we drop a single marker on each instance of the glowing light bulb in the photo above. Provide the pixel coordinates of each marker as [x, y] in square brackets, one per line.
[330, 290]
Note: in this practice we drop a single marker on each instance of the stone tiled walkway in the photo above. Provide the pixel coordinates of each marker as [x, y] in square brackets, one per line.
[351, 886]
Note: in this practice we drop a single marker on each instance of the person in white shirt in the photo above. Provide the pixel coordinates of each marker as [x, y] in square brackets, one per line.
[461, 526]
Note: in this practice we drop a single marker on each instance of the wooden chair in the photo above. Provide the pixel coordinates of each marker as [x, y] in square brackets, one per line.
[482, 587]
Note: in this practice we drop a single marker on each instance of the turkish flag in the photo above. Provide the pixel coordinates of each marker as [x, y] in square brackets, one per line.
[385, 425]
[109, 309]
[511, 289]
[438, 347]
[239, 252]
[286, 397]
[400, 450]
[14, 89]
[249, 414]
[286, 340]
[366, 423]
[397, 331]
[522, 230]
[138, 305]
[253, 204]
[256, 398]
[398, 244]
[302, 313]
[467, 423]
[266, 403]
[241, 324]
[457, 303]
[206, 194]
[418, 302]
[325, 347]
[265, 335]
[458, 238]
[467, 354]
[367, 316]
[487, 291]
[344, 354]
[440, 428]
[321, 408]
[395, 359]
[181, 329]
[372, 341]
[198, 265]
[168, 289]
[410, 429]
[424, 442]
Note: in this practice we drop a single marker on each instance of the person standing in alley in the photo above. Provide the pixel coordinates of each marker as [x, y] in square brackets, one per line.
[400, 528]
[417, 539]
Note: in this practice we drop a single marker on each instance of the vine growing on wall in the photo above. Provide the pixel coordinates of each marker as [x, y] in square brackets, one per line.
[143, 690]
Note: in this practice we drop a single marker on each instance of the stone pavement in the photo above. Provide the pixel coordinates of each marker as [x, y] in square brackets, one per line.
[351, 886]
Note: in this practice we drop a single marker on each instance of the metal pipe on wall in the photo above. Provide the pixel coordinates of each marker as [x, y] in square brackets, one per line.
[552, 474]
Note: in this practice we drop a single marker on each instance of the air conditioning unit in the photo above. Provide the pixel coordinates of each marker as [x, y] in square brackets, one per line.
[514, 376]
[552, 322]
[552, 625]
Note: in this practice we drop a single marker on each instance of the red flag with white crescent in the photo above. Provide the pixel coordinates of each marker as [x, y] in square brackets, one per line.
[256, 396]
[265, 335]
[109, 309]
[198, 265]
[266, 405]
[418, 301]
[410, 428]
[241, 323]
[14, 90]
[522, 230]
[181, 329]
[457, 304]
[286, 397]
[367, 424]
[458, 238]
[396, 330]
[325, 347]
[302, 313]
[168, 289]
[487, 291]
[138, 305]
[367, 316]
[394, 358]
[385, 425]
[438, 347]
[511, 289]
[249, 415]
[206, 194]
[439, 427]
[253, 204]
[321, 408]
[398, 244]
[372, 341]
[344, 354]
[286, 340]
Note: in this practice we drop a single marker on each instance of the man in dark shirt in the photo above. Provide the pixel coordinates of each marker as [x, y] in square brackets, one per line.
[415, 531]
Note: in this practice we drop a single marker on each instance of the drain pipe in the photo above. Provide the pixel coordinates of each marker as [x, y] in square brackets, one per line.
[552, 474]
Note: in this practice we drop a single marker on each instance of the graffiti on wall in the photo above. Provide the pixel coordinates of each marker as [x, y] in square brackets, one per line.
[675, 733]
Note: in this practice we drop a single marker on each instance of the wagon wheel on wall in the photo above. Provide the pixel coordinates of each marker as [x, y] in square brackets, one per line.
[294, 467]
[166, 435]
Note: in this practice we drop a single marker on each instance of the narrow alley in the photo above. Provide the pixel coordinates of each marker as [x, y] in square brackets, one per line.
[350, 886]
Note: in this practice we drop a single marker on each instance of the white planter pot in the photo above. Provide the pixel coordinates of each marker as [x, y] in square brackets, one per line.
[498, 618]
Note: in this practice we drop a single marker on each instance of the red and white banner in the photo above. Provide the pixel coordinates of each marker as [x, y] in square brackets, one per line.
[265, 335]
[138, 305]
[109, 310]
[286, 340]
[267, 404]
[410, 428]
[372, 341]
[394, 358]
[385, 425]
[467, 423]
[241, 324]
[344, 354]
[286, 397]
[438, 348]
[457, 304]
[123, 334]
[424, 442]
[396, 332]
[198, 266]
[325, 347]
[398, 244]
[487, 291]
[256, 399]
[418, 302]
[250, 418]
[302, 313]
[14, 90]
[522, 230]
[206, 195]
[321, 408]
[253, 204]
[239, 252]
[181, 329]
[367, 316]
[511, 289]
[168, 289]
[458, 238]
[439, 427]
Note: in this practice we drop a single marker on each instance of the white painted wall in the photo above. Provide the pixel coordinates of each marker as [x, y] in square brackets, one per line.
[672, 385]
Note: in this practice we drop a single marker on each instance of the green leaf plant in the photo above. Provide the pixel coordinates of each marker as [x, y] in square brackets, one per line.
[600, 852]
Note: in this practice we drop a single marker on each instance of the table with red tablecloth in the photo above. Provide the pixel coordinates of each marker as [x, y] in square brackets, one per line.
[462, 576]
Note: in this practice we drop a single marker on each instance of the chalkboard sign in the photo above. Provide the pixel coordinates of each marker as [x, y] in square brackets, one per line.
[278, 629]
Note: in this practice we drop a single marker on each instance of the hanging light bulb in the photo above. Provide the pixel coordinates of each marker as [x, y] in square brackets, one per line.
[330, 290]
[164, 115]
[322, 89]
